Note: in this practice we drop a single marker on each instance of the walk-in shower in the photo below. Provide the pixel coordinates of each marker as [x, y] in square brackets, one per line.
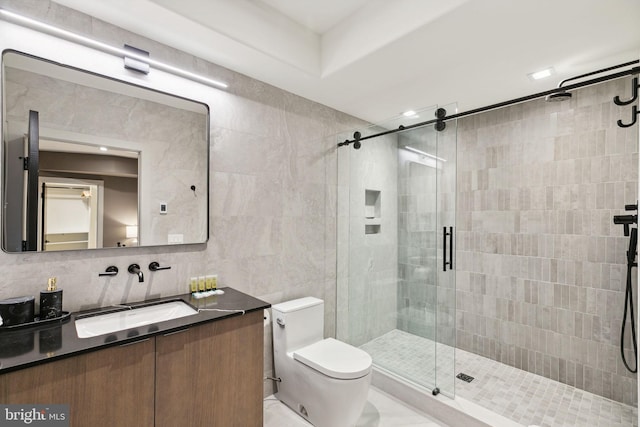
[480, 261]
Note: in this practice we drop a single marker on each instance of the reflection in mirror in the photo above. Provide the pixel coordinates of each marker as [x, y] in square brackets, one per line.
[92, 162]
[76, 184]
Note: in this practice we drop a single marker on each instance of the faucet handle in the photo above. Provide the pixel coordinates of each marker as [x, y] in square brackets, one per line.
[155, 266]
[112, 270]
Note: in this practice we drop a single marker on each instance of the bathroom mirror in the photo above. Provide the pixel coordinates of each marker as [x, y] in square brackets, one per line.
[93, 162]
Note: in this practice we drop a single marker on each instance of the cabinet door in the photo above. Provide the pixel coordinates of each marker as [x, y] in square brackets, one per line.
[211, 375]
[111, 387]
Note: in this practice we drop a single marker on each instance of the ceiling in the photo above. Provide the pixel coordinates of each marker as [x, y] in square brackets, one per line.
[375, 59]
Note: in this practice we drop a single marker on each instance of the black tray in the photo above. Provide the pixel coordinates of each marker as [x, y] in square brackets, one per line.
[37, 322]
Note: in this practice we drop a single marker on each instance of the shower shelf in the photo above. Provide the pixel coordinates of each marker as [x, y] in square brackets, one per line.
[372, 204]
[372, 229]
[371, 212]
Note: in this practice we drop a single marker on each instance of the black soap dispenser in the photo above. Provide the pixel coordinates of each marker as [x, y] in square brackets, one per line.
[51, 301]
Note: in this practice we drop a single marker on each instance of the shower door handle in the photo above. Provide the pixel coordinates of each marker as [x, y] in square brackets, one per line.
[447, 234]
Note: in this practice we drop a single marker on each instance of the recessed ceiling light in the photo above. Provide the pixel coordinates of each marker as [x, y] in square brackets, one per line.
[541, 74]
[104, 149]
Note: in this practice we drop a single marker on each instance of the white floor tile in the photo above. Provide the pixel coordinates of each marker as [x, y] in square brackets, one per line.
[381, 410]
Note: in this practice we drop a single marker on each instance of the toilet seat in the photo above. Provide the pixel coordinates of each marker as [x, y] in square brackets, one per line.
[335, 359]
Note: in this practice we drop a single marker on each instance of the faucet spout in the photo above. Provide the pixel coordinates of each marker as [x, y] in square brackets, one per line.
[135, 269]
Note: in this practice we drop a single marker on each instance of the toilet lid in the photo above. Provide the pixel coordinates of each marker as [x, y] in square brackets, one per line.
[335, 359]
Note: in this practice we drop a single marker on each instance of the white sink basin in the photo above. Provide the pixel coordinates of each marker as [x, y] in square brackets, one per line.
[101, 324]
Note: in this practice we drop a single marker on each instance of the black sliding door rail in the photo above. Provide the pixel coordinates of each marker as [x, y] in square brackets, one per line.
[634, 70]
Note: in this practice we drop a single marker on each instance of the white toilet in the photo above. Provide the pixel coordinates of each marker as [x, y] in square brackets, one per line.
[324, 380]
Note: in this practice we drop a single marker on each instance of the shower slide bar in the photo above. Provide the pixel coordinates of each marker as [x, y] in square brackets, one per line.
[357, 138]
[628, 221]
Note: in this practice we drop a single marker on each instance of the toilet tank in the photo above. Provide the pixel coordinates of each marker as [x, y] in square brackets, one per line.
[297, 323]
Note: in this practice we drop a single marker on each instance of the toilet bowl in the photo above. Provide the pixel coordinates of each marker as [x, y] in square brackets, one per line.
[325, 381]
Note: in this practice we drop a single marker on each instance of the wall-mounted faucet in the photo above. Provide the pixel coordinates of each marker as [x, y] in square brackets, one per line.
[135, 269]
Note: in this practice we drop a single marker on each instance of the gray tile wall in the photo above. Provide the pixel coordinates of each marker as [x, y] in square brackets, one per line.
[418, 243]
[541, 266]
[367, 263]
[273, 198]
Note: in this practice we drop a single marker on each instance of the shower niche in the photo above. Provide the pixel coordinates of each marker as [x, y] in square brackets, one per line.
[372, 212]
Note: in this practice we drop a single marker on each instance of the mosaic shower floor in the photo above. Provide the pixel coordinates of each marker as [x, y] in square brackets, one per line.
[526, 398]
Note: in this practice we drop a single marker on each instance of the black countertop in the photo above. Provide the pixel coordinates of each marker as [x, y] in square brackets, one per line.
[24, 347]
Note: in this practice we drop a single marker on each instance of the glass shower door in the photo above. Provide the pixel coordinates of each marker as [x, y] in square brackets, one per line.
[396, 210]
[446, 277]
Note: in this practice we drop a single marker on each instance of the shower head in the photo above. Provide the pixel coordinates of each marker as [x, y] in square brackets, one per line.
[563, 95]
[558, 96]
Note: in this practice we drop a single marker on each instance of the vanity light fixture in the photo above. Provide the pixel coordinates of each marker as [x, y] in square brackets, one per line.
[422, 153]
[134, 64]
[86, 41]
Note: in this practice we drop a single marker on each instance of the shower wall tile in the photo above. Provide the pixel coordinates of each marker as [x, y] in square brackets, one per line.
[541, 266]
[367, 263]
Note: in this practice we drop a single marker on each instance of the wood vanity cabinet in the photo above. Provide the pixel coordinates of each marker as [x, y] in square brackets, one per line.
[211, 375]
[110, 387]
[206, 375]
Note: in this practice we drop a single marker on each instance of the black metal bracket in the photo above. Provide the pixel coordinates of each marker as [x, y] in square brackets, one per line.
[356, 140]
[634, 94]
[440, 125]
[627, 220]
[634, 118]
[634, 108]
[435, 391]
